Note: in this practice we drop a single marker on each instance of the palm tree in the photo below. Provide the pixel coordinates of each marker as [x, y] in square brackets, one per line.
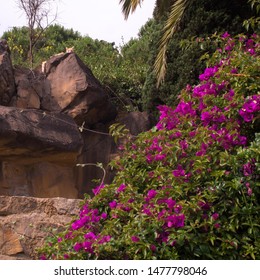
[176, 9]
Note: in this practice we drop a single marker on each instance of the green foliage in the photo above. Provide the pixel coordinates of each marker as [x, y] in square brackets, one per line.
[18, 42]
[52, 41]
[253, 22]
[202, 19]
[118, 131]
[189, 188]
[121, 71]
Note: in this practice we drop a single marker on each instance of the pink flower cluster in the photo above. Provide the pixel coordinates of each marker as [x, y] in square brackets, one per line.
[169, 214]
[251, 106]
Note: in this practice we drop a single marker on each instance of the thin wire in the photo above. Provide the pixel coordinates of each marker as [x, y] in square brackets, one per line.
[81, 128]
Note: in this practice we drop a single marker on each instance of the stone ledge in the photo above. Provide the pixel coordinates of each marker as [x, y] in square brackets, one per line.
[25, 222]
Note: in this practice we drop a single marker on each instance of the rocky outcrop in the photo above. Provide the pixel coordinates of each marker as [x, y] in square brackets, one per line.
[38, 153]
[136, 122]
[64, 84]
[33, 135]
[75, 91]
[53, 118]
[25, 222]
[30, 89]
[7, 82]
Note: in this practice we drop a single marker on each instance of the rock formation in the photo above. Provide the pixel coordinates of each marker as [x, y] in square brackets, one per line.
[51, 119]
[25, 222]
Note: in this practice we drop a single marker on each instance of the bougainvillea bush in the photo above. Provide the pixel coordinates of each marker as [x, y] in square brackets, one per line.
[190, 187]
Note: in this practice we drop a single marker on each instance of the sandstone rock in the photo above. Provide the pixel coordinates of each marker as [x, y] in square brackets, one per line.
[38, 153]
[7, 83]
[29, 89]
[27, 135]
[137, 122]
[40, 140]
[75, 91]
[25, 222]
[42, 179]
[9, 242]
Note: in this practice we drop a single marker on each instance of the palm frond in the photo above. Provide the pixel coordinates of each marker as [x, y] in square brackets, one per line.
[177, 10]
[129, 6]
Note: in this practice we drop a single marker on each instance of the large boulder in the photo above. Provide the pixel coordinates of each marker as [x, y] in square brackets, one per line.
[7, 82]
[58, 117]
[25, 222]
[63, 84]
[29, 89]
[75, 91]
[38, 153]
[30, 135]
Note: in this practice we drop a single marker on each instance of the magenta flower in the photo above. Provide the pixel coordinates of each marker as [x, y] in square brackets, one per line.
[176, 135]
[149, 158]
[98, 189]
[162, 214]
[208, 73]
[177, 208]
[206, 118]
[230, 45]
[205, 89]
[203, 150]
[150, 195]
[249, 191]
[77, 247]
[204, 205]
[146, 210]
[185, 108]
[80, 223]
[184, 144]
[43, 257]
[163, 237]
[104, 215]
[90, 236]
[159, 157]
[153, 247]
[176, 221]
[87, 245]
[225, 35]
[104, 239]
[179, 172]
[202, 106]
[248, 169]
[113, 204]
[242, 140]
[215, 216]
[135, 238]
[249, 108]
[121, 188]
[247, 116]
[170, 203]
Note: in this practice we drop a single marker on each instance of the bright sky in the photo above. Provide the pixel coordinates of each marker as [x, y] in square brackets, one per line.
[99, 19]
